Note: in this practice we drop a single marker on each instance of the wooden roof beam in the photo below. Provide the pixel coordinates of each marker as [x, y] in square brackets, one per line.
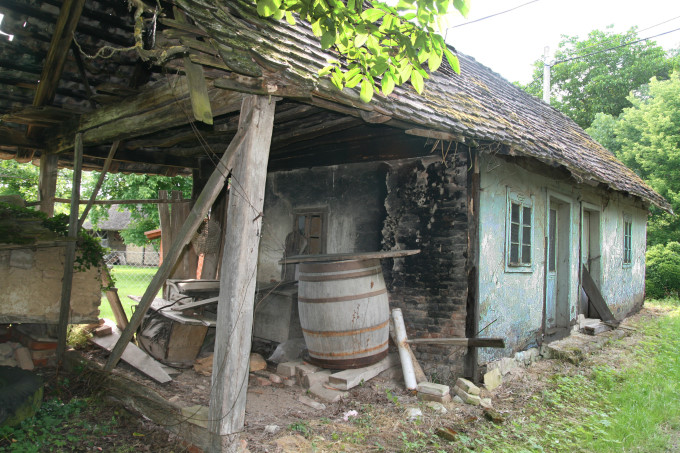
[69, 15]
[161, 108]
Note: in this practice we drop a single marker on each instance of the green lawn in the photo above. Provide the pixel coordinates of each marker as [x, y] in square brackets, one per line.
[130, 280]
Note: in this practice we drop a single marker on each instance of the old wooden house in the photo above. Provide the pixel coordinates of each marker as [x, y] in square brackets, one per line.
[505, 197]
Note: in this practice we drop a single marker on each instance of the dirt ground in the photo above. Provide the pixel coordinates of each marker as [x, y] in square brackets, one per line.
[276, 421]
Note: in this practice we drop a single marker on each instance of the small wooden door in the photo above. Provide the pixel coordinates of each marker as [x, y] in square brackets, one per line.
[551, 271]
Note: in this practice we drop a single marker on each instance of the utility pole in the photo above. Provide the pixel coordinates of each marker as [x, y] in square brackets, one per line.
[546, 75]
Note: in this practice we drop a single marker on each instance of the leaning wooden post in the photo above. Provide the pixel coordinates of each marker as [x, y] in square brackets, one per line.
[70, 251]
[100, 181]
[194, 219]
[237, 286]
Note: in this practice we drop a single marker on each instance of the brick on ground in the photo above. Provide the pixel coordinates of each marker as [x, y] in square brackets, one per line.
[287, 369]
[493, 379]
[312, 379]
[467, 386]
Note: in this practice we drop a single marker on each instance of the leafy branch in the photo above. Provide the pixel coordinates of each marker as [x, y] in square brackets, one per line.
[382, 45]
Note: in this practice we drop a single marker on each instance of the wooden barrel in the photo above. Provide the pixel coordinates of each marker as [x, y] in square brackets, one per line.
[344, 312]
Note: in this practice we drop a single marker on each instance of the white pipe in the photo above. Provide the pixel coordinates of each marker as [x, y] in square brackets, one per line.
[406, 364]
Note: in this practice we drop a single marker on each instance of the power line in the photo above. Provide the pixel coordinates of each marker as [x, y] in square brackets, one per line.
[612, 48]
[611, 37]
[493, 15]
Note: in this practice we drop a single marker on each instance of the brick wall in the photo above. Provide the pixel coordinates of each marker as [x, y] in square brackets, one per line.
[426, 208]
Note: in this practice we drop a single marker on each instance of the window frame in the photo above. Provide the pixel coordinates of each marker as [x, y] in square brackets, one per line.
[627, 243]
[322, 212]
[524, 201]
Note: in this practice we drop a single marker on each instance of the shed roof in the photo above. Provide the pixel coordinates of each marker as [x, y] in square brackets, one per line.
[243, 52]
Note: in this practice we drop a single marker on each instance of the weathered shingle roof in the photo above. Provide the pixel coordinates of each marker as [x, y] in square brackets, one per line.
[477, 104]
[117, 220]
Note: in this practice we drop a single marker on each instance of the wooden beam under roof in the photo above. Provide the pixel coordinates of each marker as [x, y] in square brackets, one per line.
[165, 106]
[69, 15]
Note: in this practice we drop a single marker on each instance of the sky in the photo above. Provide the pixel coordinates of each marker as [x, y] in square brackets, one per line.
[510, 43]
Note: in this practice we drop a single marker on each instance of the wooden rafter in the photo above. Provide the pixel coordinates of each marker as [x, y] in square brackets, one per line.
[69, 15]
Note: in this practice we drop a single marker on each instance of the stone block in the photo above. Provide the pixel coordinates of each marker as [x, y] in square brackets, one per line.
[307, 401]
[433, 389]
[437, 407]
[485, 403]
[312, 379]
[436, 398]
[507, 364]
[22, 258]
[467, 386]
[257, 362]
[304, 369]
[23, 357]
[275, 378]
[413, 414]
[467, 398]
[493, 379]
[326, 394]
[287, 369]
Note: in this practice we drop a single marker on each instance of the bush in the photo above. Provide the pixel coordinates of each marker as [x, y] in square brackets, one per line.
[663, 270]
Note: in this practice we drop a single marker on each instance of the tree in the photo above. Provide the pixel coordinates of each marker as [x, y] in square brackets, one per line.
[381, 44]
[587, 78]
[130, 187]
[22, 179]
[646, 137]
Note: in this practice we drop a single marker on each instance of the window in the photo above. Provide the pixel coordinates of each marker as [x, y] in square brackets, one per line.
[627, 240]
[519, 232]
[310, 231]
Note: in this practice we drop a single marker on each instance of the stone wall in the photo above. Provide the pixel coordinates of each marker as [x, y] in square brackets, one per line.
[30, 279]
[427, 209]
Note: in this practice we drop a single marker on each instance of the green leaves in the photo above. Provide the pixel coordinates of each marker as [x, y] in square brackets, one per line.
[382, 46]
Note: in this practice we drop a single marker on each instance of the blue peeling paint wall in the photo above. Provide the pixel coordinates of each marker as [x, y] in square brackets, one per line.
[512, 302]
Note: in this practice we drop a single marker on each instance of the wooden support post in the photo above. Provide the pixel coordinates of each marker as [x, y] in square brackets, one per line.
[237, 287]
[70, 251]
[47, 185]
[194, 219]
[471, 367]
[100, 181]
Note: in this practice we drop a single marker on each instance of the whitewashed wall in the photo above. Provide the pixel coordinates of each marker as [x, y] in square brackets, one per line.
[512, 302]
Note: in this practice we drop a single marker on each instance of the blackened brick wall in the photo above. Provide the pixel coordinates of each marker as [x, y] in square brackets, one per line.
[426, 208]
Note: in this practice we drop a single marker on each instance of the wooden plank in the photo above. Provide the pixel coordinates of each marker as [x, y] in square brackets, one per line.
[200, 209]
[185, 343]
[164, 307]
[348, 379]
[70, 251]
[198, 303]
[164, 106]
[595, 297]
[471, 366]
[348, 256]
[110, 202]
[438, 135]
[237, 287]
[114, 300]
[133, 356]
[98, 185]
[47, 185]
[465, 342]
[143, 400]
[69, 15]
[198, 90]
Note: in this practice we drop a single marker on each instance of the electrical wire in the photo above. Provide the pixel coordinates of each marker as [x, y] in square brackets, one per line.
[493, 15]
[612, 48]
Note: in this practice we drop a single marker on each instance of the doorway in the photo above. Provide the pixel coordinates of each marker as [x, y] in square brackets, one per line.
[558, 229]
[590, 252]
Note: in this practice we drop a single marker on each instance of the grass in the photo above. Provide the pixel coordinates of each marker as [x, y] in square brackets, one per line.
[130, 280]
[610, 403]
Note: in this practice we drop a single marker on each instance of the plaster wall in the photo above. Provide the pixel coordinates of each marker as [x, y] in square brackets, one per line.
[30, 279]
[512, 303]
[351, 195]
